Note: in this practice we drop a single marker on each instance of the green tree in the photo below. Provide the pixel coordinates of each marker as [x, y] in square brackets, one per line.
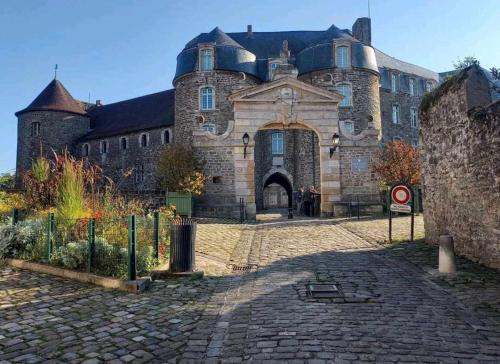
[465, 62]
[180, 170]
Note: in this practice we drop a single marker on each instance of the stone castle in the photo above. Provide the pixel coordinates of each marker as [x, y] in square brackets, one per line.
[267, 111]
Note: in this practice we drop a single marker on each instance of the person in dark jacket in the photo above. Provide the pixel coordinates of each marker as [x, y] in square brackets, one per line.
[307, 202]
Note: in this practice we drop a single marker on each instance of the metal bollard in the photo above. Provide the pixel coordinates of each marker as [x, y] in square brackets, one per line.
[446, 254]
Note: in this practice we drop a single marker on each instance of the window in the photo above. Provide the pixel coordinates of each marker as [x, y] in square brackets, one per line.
[345, 90]
[277, 143]
[123, 143]
[207, 98]
[217, 179]
[139, 173]
[144, 140]
[207, 59]
[413, 117]
[165, 137]
[211, 128]
[412, 86]
[104, 146]
[395, 114]
[428, 86]
[342, 56]
[85, 150]
[272, 69]
[35, 129]
[394, 80]
[349, 126]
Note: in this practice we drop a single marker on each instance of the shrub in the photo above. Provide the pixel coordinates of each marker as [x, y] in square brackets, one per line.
[72, 255]
[397, 162]
[23, 240]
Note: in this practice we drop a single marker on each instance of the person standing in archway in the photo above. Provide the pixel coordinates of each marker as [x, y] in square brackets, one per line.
[299, 198]
[307, 202]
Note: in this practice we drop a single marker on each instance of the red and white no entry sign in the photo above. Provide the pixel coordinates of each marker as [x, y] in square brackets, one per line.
[401, 194]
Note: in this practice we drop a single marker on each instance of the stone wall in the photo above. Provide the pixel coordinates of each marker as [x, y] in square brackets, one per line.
[461, 167]
[58, 131]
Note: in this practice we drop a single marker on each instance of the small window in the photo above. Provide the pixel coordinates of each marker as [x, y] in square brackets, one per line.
[349, 126]
[85, 150]
[211, 128]
[144, 140]
[413, 117]
[139, 173]
[412, 87]
[207, 98]
[35, 129]
[394, 82]
[395, 114]
[428, 86]
[104, 146]
[217, 179]
[207, 59]
[165, 137]
[342, 56]
[123, 143]
[277, 143]
[345, 90]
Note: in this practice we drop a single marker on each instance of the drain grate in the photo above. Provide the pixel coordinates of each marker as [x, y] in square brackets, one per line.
[243, 268]
[323, 290]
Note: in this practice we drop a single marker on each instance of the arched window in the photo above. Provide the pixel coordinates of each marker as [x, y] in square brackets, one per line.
[144, 140]
[207, 98]
[35, 128]
[165, 137]
[85, 150]
[123, 143]
[342, 56]
[345, 90]
[277, 143]
[211, 128]
[104, 146]
[206, 59]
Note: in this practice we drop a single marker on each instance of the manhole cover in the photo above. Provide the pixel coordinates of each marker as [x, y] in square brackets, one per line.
[323, 290]
[242, 268]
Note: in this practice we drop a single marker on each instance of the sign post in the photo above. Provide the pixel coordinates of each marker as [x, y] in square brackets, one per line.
[402, 194]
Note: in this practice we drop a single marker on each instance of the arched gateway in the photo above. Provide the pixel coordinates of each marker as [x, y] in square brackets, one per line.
[285, 104]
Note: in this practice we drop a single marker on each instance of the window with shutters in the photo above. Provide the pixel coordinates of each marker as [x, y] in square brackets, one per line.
[345, 90]
[35, 129]
[207, 95]
[342, 56]
[206, 59]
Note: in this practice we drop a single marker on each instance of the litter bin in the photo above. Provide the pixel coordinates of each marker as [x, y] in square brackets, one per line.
[182, 239]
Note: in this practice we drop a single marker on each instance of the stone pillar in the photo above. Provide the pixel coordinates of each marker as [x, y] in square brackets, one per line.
[446, 255]
[244, 171]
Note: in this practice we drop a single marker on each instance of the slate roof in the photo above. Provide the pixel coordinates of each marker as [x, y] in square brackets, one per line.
[386, 61]
[54, 97]
[141, 113]
[216, 36]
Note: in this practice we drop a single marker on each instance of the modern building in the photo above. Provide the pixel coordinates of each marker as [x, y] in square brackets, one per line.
[268, 112]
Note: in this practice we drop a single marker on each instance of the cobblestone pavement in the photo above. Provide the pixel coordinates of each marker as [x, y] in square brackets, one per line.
[393, 307]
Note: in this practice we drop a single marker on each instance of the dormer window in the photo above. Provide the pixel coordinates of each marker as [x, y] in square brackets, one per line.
[85, 150]
[104, 146]
[206, 59]
[394, 82]
[35, 129]
[412, 87]
[342, 56]
[207, 98]
[144, 140]
[272, 69]
[428, 86]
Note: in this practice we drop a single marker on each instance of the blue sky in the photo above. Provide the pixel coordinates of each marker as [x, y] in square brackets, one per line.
[117, 50]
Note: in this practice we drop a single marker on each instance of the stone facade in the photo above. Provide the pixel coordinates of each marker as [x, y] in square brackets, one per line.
[58, 131]
[461, 167]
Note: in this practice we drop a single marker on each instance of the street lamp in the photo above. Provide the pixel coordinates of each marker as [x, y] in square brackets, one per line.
[246, 139]
[335, 143]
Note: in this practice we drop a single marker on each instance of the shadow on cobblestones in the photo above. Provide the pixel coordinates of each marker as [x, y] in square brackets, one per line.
[410, 314]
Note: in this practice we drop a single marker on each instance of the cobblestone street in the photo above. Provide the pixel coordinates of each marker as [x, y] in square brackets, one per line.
[392, 305]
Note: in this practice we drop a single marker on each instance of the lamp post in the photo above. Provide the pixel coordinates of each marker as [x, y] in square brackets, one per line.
[335, 143]
[246, 139]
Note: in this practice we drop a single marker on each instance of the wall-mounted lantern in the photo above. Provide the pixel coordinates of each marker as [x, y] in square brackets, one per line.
[335, 143]
[246, 139]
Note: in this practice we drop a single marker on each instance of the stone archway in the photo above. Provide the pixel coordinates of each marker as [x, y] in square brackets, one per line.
[287, 104]
[281, 180]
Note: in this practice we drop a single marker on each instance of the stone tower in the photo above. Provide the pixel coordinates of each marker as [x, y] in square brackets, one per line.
[53, 121]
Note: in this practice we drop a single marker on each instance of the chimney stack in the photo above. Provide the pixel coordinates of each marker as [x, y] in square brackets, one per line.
[362, 30]
[249, 31]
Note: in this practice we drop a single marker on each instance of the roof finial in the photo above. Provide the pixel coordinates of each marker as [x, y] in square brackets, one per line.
[55, 72]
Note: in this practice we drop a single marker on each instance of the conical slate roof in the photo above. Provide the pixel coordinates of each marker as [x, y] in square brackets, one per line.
[216, 36]
[54, 97]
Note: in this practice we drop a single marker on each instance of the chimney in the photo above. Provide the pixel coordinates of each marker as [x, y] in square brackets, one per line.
[249, 31]
[362, 30]
[98, 103]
